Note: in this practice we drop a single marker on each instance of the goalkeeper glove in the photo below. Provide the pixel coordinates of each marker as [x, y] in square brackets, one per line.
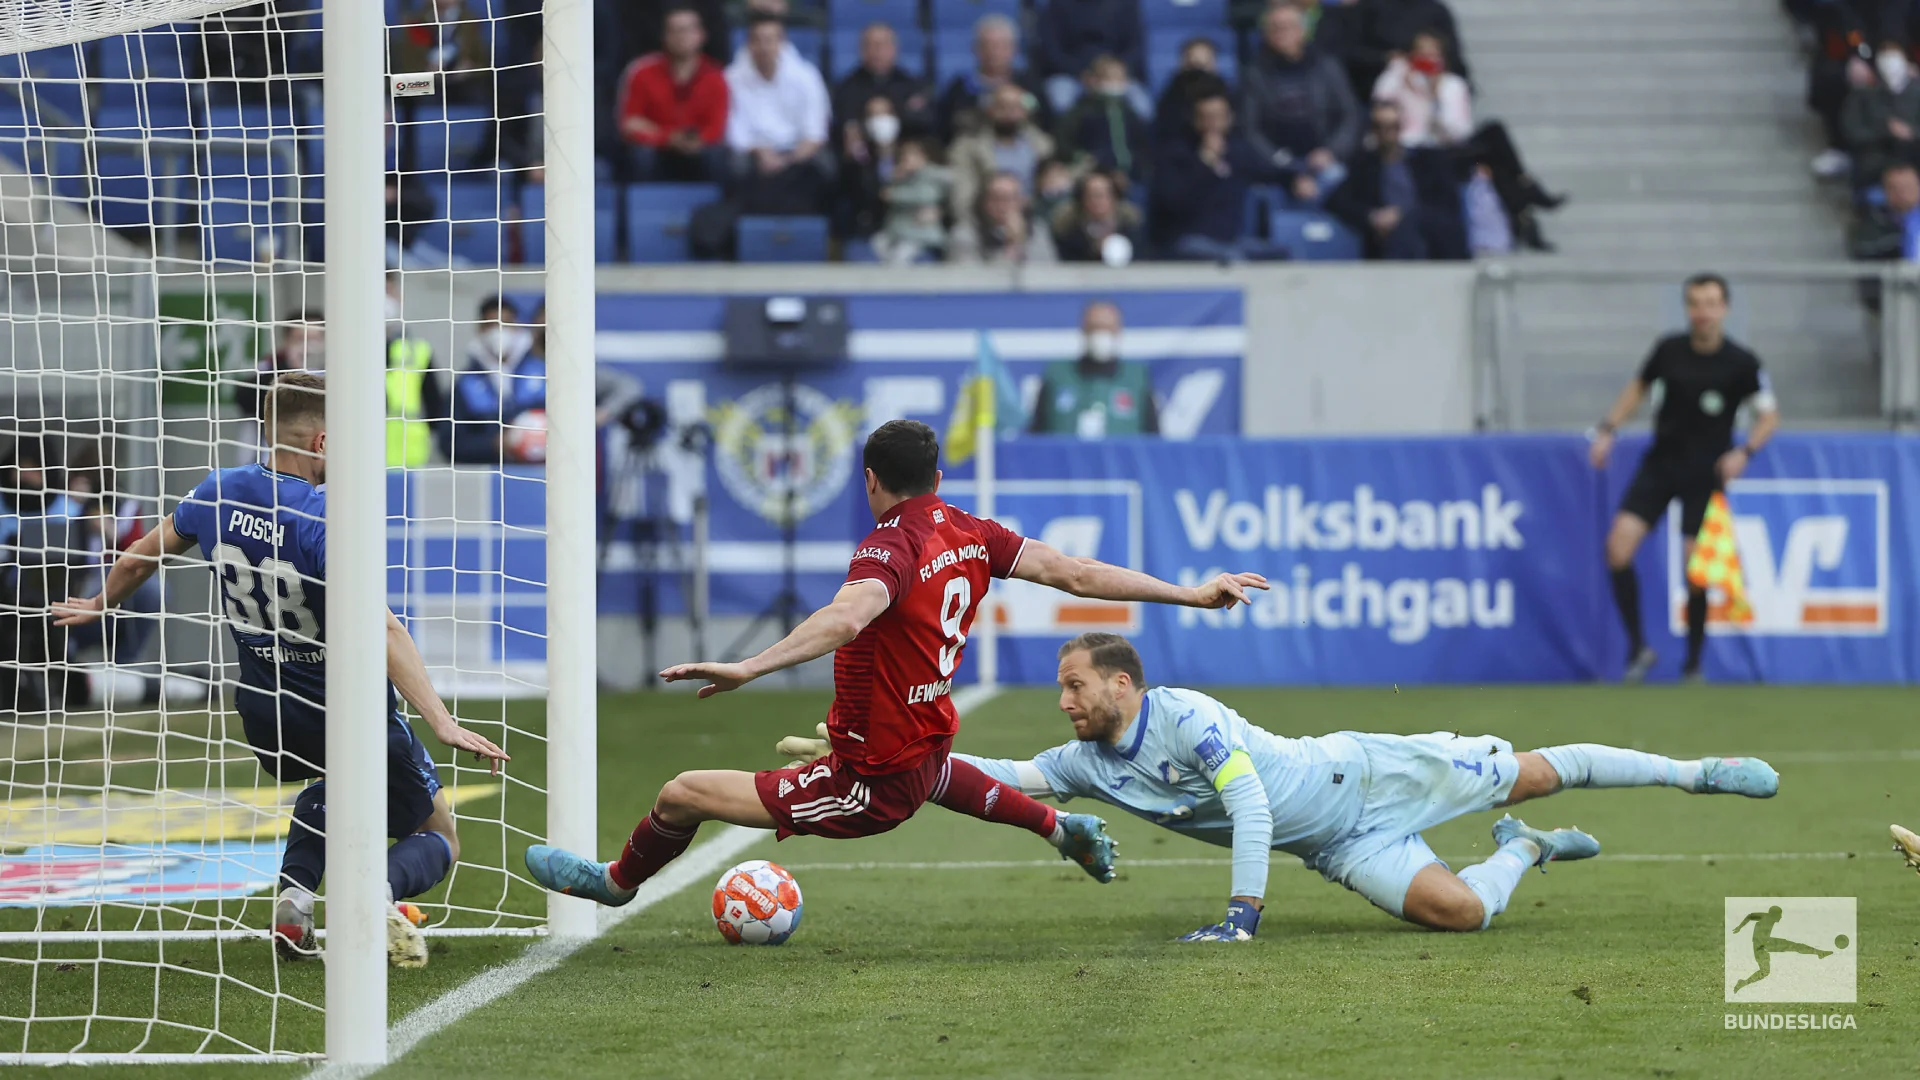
[804, 750]
[1239, 925]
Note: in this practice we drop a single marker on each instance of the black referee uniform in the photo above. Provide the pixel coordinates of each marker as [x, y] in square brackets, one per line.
[1700, 395]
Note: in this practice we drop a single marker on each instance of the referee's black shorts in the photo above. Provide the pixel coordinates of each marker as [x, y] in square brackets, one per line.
[1660, 480]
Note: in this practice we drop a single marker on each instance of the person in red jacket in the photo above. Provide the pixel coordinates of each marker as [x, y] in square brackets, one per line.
[673, 107]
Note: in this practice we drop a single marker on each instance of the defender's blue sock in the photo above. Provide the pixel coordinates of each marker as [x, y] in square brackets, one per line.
[1493, 881]
[305, 861]
[1591, 765]
[417, 863]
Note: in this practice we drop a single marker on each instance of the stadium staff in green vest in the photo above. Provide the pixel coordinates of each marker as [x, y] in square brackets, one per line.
[410, 388]
[1098, 394]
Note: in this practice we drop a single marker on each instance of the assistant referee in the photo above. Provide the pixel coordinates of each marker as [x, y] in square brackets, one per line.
[1704, 380]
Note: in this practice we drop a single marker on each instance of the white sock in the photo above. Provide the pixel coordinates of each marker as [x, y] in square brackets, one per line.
[1591, 765]
[1059, 835]
[1493, 881]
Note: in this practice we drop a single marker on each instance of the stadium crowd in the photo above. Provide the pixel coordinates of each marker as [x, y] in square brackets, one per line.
[968, 131]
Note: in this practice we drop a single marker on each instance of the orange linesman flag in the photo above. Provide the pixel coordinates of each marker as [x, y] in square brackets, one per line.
[1716, 562]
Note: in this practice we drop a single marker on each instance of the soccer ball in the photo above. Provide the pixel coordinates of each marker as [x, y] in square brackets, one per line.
[525, 439]
[756, 903]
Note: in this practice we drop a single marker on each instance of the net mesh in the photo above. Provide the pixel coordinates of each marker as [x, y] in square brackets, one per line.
[161, 225]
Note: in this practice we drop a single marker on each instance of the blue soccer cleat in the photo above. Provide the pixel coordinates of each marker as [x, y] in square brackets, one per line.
[1560, 845]
[564, 872]
[1088, 844]
[1747, 776]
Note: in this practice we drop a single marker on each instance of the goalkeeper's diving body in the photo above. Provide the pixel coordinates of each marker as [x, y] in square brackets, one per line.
[1351, 805]
[263, 529]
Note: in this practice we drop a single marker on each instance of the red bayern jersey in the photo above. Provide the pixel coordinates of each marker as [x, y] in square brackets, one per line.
[892, 685]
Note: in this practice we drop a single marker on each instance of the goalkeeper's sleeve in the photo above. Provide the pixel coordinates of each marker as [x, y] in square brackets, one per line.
[1245, 799]
[1023, 776]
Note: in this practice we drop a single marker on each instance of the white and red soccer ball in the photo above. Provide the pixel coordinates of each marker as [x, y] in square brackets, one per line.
[756, 903]
[525, 438]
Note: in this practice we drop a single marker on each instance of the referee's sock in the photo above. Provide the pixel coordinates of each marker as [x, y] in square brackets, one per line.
[1626, 596]
[1696, 628]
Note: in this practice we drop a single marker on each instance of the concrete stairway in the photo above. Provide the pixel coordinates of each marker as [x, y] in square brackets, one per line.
[1681, 131]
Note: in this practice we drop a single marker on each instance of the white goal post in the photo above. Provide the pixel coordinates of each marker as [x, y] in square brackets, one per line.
[186, 210]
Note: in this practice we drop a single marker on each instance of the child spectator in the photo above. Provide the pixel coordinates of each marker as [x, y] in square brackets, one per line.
[916, 200]
[1103, 127]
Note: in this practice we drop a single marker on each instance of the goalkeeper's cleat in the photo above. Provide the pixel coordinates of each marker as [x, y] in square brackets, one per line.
[1737, 776]
[564, 872]
[1907, 844]
[406, 945]
[293, 936]
[1560, 845]
[1086, 842]
[803, 750]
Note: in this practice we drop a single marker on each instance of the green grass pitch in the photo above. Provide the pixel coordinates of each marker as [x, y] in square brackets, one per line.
[1024, 967]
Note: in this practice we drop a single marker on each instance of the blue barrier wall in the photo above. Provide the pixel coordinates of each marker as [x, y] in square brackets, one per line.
[1444, 560]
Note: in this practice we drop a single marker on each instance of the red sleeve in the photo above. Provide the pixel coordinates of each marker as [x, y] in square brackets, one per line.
[884, 556]
[633, 102]
[1003, 547]
[713, 121]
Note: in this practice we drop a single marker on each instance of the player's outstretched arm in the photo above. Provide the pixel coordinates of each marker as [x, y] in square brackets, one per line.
[854, 606]
[1096, 580]
[409, 675]
[130, 571]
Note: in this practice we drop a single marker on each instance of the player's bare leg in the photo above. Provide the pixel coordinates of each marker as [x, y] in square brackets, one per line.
[687, 800]
[1623, 541]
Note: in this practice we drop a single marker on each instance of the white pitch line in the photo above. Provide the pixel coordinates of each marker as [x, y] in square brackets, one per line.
[1044, 864]
[495, 983]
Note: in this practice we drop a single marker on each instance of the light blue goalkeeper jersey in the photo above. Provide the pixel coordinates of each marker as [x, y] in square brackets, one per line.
[1191, 764]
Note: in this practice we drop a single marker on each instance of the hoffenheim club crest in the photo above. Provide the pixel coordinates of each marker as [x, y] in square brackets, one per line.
[758, 463]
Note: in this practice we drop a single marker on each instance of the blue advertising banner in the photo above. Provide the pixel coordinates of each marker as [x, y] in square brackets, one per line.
[1429, 560]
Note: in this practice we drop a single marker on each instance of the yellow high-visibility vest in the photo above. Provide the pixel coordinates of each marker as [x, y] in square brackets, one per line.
[409, 438]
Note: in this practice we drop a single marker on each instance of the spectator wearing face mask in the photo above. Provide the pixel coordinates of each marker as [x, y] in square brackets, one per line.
[1098, 394]
[1010, 143]
[1103, 129]
[1074, 32]
[880, 75]
[868, 166]
[486, 394]
[1879, 121]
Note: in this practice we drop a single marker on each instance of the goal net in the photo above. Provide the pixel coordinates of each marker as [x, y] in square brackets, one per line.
[162, 229]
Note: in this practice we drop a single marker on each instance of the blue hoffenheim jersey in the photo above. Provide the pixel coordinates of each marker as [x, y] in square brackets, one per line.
[1162, 769]
[265, 534]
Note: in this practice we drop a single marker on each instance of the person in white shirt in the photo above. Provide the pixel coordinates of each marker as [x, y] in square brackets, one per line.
[777, 124]
[1436, 110]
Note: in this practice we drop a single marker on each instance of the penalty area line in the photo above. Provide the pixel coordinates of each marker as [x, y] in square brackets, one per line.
[495, 983]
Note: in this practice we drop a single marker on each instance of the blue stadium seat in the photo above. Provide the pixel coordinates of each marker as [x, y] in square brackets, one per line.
[139, 186]
[657, 216]
[845, 15]
[533, 223]
[1313, 236]
[845, 52]
[240, 216]
[449, 139]
[1262, 201]
[858, 251]
[952, 53]
[1183, 13]
[57, 85]
[1163, 53]
[964, 13]
[473, 212]
[783, 239]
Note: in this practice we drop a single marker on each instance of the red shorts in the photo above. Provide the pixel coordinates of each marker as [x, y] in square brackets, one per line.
[829, 799]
